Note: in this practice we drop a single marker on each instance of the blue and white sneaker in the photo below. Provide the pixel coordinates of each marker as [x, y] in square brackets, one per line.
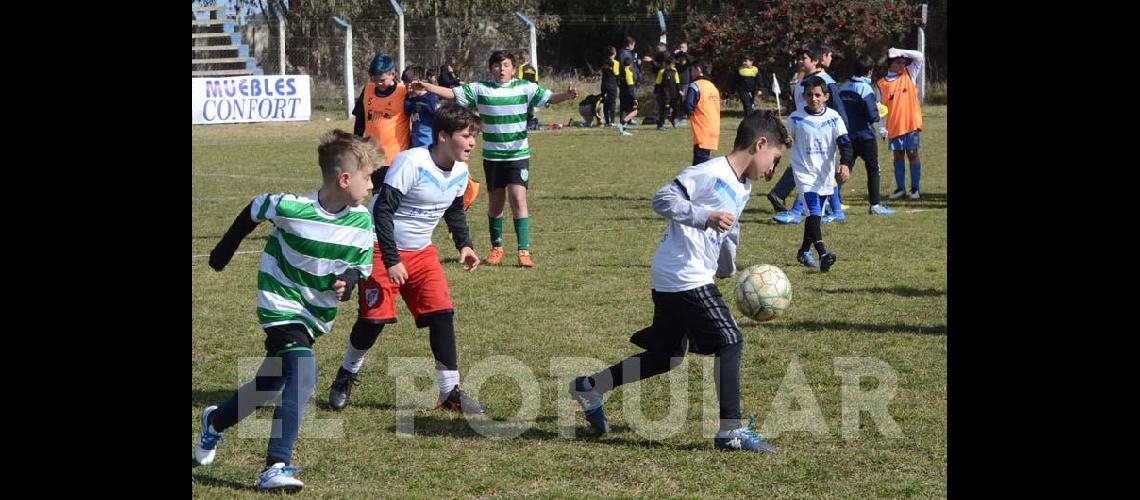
[207, 439]
[743, 439]
[279, 477]
[789, 217]
[583, 392]
[839, 217]
[880, 209]
[807, 259]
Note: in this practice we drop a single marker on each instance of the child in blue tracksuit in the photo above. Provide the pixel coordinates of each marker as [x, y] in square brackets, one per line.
[420, 105]
[862, 113]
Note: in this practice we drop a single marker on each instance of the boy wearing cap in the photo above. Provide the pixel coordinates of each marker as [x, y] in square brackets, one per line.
[380, 112]
[899, 93]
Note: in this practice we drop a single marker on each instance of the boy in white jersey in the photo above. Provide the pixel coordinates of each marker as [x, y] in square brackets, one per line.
[503, 104]
[320, 246]
[423, 185]
[817, 132]
[702, 203]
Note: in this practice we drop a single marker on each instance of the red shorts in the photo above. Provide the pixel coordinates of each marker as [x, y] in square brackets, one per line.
[425, 291]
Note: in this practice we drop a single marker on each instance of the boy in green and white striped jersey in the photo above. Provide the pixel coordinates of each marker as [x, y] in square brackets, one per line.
[503, 103]
[321, 244]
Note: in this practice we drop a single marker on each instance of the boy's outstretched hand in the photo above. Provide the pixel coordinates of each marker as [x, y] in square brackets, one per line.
[469, 259]
[720, 221]
[344, 284]
[843, 173]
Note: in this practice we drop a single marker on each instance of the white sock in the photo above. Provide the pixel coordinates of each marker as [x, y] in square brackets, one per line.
[353, 358]
[447, 380]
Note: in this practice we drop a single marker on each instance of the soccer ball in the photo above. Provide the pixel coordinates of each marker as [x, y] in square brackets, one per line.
[763, 292]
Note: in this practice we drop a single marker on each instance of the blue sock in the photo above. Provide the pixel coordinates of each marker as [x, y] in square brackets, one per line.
[836, 204]
[798, 206]
[900, 174]
[915, 174]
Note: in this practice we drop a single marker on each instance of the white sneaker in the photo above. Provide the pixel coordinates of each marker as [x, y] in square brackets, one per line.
[914, 194]
[279, 477]
[208, 440]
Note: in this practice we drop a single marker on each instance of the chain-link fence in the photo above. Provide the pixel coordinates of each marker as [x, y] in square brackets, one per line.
[317, 49]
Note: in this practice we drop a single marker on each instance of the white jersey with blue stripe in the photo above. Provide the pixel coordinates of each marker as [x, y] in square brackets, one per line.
[815, 144]
[687, 256]
[427, 193]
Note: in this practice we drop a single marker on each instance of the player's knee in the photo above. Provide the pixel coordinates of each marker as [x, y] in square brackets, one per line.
[365, 332]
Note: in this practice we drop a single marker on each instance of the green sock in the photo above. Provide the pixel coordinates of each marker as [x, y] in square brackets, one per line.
[496, 224]
[522, 229]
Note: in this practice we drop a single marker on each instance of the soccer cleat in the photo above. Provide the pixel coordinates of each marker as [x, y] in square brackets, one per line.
[279, 477]
[788, 217]
[495, 257]
[583, 392]
[524, 259]
[839, 217]
[826, 261]
[340, 392]
[914, 194]
[457, 400]
[843, 207]
[807, 259]
[898, 194]
[660, 128]
[743, 439]
[207, 439]
[880, 209]
[777, 204]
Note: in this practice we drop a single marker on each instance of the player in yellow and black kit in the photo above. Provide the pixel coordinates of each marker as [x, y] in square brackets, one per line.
[667, 88]
[747, 83]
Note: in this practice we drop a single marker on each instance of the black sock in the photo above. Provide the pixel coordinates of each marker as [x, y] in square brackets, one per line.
[649, 364]
[816, 233]
[728, 384]
[807, 241]
[364, 334]
[442, 336]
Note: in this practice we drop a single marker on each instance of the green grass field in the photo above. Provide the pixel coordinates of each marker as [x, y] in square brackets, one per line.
[594, 235]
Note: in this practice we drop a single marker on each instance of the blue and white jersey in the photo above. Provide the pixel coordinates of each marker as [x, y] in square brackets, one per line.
[687, 256]
[427, 193]
[815, 142]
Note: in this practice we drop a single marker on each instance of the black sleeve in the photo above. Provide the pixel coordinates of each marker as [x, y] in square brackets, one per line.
[224, 250]
[846, 152]
[358, 111]
[457, 223]
[386, 205]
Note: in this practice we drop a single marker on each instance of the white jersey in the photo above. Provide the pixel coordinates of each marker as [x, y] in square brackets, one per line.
[427, 193]
[687, 256]
[815, 143]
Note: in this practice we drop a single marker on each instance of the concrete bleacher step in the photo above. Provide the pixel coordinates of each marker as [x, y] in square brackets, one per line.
[226, 60]
[242, 50]
[227, 72]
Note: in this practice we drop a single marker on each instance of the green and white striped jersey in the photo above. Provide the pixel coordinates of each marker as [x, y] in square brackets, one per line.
[503, 109]
[307, 249]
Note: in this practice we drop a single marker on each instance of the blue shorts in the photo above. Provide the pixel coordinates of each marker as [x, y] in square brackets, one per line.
[814, 203]
[907, 141]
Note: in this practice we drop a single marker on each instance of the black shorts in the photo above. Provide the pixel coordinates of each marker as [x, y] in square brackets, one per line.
[698, 316]
[500, 173]
[286, 337]
[628, 99]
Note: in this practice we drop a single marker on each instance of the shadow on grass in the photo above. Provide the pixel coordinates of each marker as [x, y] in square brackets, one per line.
[207, 398]
[819, 326]
[432, 423]
[205, 480]
[901, 291]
